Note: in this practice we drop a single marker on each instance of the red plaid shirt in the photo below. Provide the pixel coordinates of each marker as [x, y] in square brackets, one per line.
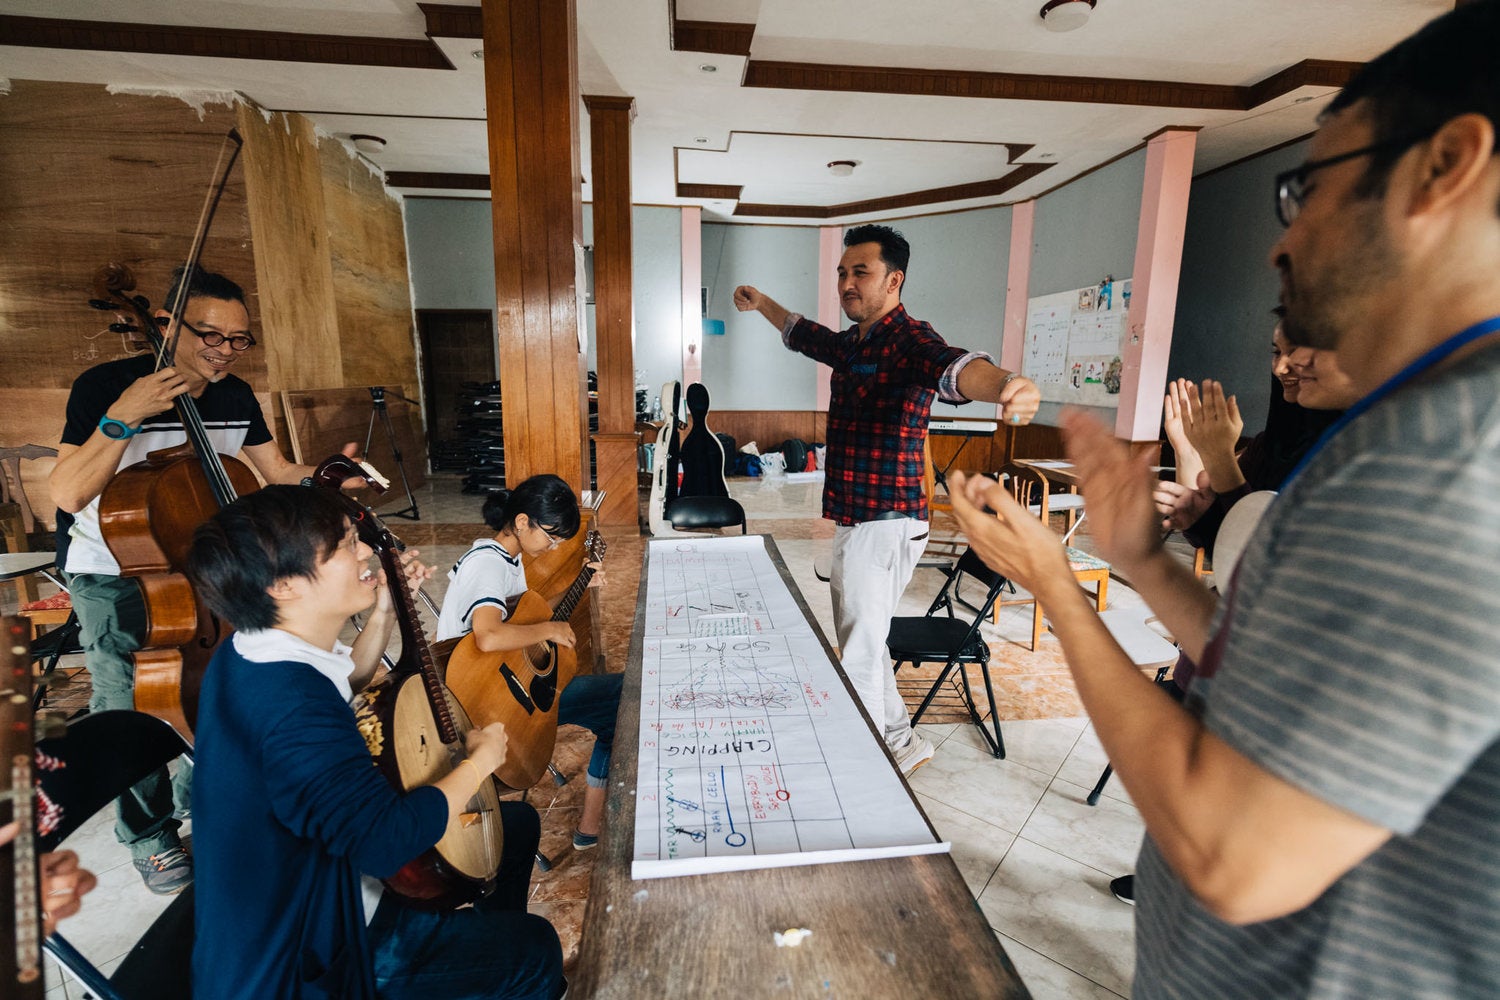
[883, 388]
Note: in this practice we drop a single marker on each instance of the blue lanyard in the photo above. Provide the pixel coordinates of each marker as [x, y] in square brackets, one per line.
[1431, 358]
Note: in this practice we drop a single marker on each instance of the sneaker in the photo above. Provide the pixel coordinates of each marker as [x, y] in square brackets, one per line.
[584, 841]
[166, 873]
[912, 756]
[1123, 888]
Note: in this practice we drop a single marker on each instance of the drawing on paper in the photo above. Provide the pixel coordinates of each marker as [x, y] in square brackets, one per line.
[752, 752]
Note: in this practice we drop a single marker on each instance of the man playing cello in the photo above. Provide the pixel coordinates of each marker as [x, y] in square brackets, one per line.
[119, 412]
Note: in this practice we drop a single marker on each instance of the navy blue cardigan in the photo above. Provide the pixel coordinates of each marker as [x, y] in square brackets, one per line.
[288, 810]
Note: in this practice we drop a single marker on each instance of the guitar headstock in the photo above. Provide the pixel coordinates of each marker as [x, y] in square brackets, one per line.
[593, 547]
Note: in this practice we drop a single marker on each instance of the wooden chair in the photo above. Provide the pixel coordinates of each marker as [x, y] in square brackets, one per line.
[1031, 490]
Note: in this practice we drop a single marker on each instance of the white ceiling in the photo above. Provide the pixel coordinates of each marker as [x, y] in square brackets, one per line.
[705, 128]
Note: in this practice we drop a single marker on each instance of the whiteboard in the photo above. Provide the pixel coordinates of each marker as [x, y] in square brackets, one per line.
[753, 753]
[1073, 343]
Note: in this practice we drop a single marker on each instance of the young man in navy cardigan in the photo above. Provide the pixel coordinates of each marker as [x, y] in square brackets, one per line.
[289, 811]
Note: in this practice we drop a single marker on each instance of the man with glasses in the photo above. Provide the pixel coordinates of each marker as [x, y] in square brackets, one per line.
[119, 412]
[1323, 815]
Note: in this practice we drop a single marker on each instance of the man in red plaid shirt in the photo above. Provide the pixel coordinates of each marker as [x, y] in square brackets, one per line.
[887, 369]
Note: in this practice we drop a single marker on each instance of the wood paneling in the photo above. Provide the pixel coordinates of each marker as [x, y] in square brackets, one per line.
[88, 178]
[220, 43]
[452, 21]
[322, 421]
[371, 288]
[767, 428]
[1036, 87]
[447, 182]
[956, 192]
[614, 310]
[727, 192]
[531, 92]
[616, 462]
[293, 265]
[726, 38]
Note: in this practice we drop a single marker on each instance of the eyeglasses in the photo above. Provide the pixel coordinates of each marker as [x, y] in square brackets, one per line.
[212, 338]
[553, 540]
[1291, 186]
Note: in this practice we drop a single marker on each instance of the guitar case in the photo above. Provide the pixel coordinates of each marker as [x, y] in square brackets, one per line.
[702, 455]
[664, 464]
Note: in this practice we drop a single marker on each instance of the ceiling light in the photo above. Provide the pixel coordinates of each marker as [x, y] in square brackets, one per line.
[708, 68]
[841, 168]
[368, 144]
[1066, 15]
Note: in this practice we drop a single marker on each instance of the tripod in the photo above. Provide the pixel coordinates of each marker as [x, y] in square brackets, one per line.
[377, 401]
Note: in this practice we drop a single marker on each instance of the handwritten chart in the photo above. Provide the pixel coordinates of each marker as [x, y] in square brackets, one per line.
[752, 752]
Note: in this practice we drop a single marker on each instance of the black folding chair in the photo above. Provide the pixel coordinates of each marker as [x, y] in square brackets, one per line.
[103, 754]
[954, 642]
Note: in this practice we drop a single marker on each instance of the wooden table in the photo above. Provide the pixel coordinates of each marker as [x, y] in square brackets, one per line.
[898, 928]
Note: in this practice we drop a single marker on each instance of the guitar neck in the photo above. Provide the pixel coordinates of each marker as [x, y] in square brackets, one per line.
[570, 600]
[416, 655]
[594, 550]
[20, 899]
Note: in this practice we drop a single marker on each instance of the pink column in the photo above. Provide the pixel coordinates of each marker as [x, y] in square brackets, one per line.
[1017, 286]
[1153, 298]
[692, 302]
[830, 249]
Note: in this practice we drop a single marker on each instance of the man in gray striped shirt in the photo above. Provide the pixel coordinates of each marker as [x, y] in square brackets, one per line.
[1324, 818]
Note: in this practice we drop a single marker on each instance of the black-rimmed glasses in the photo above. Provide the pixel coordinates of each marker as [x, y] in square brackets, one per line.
[1291, 185]
[213, 338]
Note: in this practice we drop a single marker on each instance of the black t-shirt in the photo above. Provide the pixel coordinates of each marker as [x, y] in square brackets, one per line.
[226, 405]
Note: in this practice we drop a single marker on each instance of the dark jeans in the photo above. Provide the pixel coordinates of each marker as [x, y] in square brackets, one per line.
[112, 620]
[493, 949]
[593, 701]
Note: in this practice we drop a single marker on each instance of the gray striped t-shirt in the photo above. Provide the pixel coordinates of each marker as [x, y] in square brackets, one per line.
[1362, 664]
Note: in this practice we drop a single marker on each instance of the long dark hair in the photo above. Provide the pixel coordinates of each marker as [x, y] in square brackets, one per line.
[1291, 431]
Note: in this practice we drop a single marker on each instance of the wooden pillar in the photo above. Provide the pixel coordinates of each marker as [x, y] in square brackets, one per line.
[1153, 290]
[616, 441]
[531, 97]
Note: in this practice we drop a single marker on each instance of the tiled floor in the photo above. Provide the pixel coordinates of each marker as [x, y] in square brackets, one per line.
[1037, 858]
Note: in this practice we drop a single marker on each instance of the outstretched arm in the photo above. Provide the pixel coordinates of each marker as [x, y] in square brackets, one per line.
[748, 298]
[1017, 395]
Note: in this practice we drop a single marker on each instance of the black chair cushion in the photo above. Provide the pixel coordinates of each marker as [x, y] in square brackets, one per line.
[705, 512]
[935, 639]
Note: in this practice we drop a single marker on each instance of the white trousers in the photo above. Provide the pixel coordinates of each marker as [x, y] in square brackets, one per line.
[872, 564]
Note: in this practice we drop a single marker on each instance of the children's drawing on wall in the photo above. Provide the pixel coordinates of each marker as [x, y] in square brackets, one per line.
[1093, 373]
[1104, 301]
[1085, 300]
[1075, 378]
[1112, 377]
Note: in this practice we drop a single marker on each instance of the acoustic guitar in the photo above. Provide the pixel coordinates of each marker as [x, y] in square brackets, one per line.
[414, 728]
[20, 900]
[520, 687]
